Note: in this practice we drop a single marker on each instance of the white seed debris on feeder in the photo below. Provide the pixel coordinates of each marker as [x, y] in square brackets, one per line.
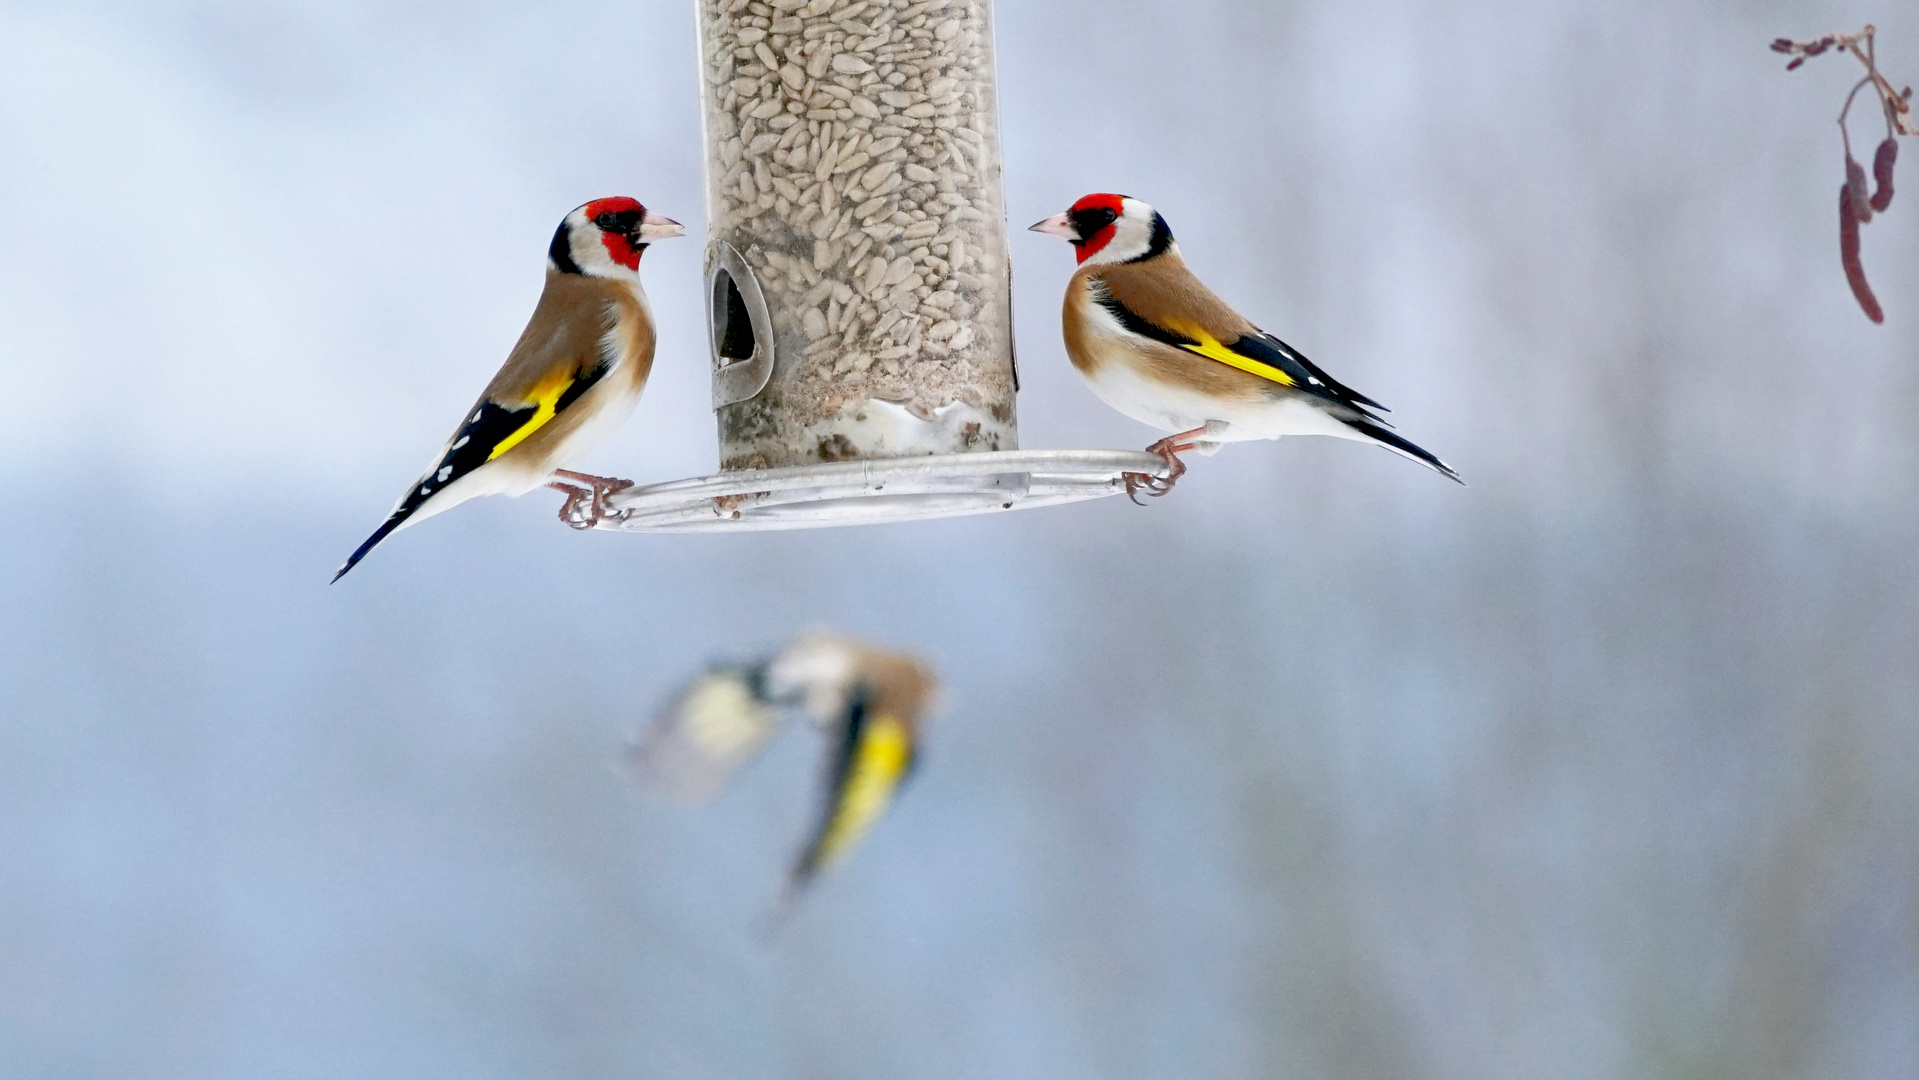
[853, 161]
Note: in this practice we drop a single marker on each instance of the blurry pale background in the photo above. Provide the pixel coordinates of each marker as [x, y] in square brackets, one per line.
[1605, 766]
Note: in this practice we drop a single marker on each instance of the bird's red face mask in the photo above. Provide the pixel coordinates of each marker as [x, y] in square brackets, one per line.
[619, 221]
[1090, 225]
[626, 228]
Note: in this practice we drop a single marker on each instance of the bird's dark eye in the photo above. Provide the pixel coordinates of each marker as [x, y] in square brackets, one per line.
[1090, 221]
[607, 220]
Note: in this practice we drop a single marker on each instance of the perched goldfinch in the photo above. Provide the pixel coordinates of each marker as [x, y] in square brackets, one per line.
[572, 379]
[867, 701]
[1158, 345]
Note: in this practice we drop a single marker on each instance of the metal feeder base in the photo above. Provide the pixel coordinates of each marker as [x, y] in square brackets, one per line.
[875, 492]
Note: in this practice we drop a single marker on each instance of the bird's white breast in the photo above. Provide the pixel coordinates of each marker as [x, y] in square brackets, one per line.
[618, 393]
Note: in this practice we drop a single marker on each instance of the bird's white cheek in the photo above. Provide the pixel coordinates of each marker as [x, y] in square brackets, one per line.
[590, 253]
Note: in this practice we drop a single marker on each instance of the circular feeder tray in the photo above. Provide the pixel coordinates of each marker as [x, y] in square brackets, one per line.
[877, 491]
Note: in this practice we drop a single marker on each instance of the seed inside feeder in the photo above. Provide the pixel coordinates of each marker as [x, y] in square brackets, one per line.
[853, 162]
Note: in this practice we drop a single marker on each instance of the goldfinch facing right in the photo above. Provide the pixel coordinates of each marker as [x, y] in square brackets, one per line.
[1158, 345]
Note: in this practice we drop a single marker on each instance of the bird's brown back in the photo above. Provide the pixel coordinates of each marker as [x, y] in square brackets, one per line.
[1164, 291]
[902, 687]
[568, 325]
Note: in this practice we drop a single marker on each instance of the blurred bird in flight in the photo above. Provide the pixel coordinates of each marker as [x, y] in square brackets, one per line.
[868, 702]
[1158, 345]
[572, 379]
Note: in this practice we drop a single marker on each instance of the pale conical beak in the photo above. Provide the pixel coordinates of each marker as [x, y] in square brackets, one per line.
[1058, 225]
[654, 227]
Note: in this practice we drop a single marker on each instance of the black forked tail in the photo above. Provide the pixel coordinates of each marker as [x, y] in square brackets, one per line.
[394, 520]
[1391, 440]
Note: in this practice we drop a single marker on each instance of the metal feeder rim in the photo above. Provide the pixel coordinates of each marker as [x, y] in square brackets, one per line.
[875, 491]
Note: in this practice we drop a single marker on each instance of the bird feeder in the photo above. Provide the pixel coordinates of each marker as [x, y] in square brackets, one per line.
[858, 290]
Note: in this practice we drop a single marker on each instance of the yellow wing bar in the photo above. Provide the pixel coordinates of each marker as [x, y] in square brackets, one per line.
[885, 749]
[1208, 346]
[547, 396]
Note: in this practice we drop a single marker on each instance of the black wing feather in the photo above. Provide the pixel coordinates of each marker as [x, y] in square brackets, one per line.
[468, 451]
[472, 447]
[1271, 351]
[843, 761]
[1136, 323]
[1259, 347]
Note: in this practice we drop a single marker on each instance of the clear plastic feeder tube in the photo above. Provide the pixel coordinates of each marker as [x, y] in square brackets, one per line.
[860, 296]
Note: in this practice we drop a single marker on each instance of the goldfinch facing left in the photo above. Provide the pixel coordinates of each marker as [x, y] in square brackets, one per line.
[572, 379]
[1156, 344]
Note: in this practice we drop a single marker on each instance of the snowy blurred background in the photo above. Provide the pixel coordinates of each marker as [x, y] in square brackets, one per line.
[1606, 766]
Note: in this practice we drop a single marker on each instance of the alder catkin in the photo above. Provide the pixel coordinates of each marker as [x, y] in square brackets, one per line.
[1856, 191]
[1882, 160]
[1849, 257]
